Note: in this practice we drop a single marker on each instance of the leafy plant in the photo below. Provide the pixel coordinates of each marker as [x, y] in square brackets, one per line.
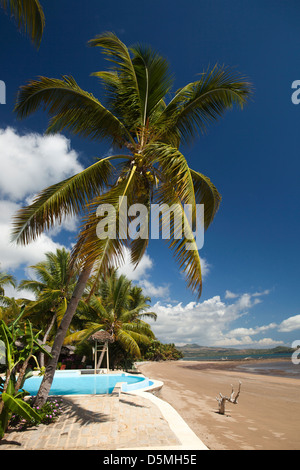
[158, 351]
[47, 414]
[19, 345]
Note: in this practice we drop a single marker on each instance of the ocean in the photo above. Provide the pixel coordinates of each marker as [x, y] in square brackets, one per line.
[280, 365]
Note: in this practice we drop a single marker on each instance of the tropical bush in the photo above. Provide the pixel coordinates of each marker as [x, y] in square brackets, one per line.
[47, 414]
[158, 351]
[18, 346]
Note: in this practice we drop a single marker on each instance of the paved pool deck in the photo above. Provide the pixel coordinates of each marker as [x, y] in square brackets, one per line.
[137, 420]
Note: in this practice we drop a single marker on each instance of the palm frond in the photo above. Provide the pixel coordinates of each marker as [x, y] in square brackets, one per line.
[121, 84]
[29, 17]
[106, 251]
[181, 237]
[173, 168]
[53, 204]
[206, 193]
[153, 77]
[200, 103]
[71, 108]
[128, 342]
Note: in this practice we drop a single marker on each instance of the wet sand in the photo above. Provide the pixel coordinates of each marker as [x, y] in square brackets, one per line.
[267, 416]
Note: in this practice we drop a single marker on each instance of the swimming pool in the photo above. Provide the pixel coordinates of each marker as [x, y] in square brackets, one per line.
[75, 383]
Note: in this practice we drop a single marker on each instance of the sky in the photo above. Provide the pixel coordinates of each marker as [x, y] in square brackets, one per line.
[250, 256]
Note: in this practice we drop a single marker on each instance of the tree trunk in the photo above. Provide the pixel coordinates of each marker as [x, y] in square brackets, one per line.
[42, 355]
[44, 389]
[22, 373]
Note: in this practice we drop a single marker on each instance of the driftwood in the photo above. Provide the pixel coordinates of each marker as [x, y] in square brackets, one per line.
[232, 399]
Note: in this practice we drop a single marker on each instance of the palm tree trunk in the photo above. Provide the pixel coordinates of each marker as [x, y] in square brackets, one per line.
[42, 355]
[44, 389]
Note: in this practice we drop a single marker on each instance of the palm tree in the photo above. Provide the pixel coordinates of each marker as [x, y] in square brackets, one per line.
[117, 309]
[52, 286]
[10, 309]
[145, 132]
[6, 279]
[29, 17]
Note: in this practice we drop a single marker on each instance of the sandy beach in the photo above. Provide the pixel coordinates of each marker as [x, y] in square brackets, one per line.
[267, 416]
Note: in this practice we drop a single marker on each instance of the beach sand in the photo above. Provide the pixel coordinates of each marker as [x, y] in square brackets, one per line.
[267, 416]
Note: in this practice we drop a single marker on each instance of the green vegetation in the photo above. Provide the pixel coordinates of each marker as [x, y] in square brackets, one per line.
[117, 307]
[18, 346]
[112, 303]
[28, 327]
[146, 130]
[47, 414]
[158, 351]
[191, 351]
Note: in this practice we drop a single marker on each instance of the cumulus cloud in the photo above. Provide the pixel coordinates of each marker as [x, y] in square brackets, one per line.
[230, 295]
[290, 324]
[13, 256]
[128, 269]
[208, 322]
[29, 163]
[141, 275]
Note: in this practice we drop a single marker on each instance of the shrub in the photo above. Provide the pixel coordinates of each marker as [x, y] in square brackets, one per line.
[48, 413]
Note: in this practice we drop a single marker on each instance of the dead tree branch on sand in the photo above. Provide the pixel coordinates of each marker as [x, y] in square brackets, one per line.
[232, 399]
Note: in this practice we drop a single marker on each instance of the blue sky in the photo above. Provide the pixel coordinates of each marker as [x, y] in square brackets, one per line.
[251, 251]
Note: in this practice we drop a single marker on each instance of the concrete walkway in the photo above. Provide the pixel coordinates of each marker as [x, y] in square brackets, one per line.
[136, 420]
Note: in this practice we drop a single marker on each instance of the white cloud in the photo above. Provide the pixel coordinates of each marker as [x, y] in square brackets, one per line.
[248, 342]
[19, 294]
[154, 291]
[230, 295]
[30, 163]
[208, 323]
[290, 324]
[141, 274]
[251, 331]
[11, 255]
[135, 274]
[259, 294]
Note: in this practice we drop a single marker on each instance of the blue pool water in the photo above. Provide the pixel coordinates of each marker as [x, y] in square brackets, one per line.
[73, 383]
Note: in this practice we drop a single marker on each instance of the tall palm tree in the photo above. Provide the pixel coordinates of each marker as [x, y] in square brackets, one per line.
[52, 286]
[113, 308]
[29, 17]
[145, 131]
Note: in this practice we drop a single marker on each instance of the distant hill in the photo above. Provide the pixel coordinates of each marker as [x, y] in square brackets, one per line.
[194, 350]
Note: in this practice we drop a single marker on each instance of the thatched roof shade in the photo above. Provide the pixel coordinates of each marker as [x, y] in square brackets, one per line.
[102, 336]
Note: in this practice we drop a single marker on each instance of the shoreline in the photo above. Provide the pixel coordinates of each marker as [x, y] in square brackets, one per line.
[267, 416]
[257, 366]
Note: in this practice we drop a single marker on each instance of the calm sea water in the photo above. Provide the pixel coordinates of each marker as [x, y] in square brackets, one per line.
[258, 364]
[280, 368]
